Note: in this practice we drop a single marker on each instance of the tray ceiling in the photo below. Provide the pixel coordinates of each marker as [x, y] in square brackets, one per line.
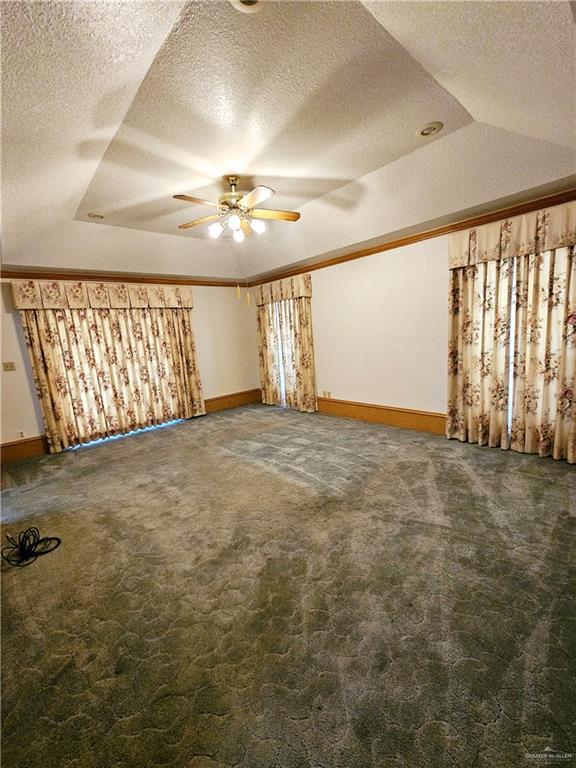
[113, 107]
[302, 97]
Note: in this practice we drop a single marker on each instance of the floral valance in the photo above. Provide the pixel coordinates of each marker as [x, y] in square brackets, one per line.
[68, 294]
[289, 288]
[533, 232]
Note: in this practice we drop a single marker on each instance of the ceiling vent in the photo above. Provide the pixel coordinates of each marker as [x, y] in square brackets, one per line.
[247, 6]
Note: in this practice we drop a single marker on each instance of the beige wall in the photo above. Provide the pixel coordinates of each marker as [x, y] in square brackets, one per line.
[380, 335]
[225, 331]
[20, 410]
[381, 328]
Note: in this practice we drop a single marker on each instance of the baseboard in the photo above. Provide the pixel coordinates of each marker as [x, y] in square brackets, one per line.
[424, 421]
[18, 450]
[233, 401]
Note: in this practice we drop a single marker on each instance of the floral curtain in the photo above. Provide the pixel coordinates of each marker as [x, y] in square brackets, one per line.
[68, 294]
[286, 351]
[103, 370]
[269, 357]
[479, 353]
[512, 348]
[544, 380]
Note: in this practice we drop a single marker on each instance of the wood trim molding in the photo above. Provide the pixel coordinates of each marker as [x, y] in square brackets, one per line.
[406, 418]
[17, 272]
[476, 221]
[25, 273]
[214, 404]
[18, 450]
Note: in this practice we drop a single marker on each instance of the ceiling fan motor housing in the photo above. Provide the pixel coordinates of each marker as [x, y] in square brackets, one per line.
[232, 197]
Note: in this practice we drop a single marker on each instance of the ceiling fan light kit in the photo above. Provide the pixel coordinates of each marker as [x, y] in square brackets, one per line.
[216, 229]
[258, 226]
[234, 222]
[237, 210]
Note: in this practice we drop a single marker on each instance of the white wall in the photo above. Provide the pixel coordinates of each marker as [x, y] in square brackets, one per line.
[381, 327]
[225, 332]
[380, 335]
[20, 410]
[78, 245]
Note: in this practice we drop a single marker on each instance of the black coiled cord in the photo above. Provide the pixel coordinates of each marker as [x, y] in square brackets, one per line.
[28, 548]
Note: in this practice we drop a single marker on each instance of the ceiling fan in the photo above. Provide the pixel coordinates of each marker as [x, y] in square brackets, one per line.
[237, 210]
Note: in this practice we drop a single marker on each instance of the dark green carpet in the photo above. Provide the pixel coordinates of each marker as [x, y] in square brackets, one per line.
[262, 588]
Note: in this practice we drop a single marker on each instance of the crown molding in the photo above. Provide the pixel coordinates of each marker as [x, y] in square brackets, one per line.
[39, 273]
[15, 272]
[425, 234]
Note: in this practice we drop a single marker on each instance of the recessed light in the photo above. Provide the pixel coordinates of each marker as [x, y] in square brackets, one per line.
[95, 215]
[430, 129]
[247, 6]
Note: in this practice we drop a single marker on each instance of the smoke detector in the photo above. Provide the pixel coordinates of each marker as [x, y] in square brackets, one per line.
[247, 6]
[430, 129]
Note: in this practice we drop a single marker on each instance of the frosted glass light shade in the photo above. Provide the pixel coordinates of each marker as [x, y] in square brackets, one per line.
[258, 226]
[234, 221]
[238, 235]
[215, 230]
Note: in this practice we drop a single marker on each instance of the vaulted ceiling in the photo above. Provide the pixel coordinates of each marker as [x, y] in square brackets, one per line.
[113, 107]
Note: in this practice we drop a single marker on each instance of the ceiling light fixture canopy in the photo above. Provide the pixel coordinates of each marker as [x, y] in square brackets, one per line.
[238, 211]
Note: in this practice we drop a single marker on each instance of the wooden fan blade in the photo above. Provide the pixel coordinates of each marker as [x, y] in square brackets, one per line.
[245, 228]
[196, 222]
[197, 200]
[257, 196]
[266, 213]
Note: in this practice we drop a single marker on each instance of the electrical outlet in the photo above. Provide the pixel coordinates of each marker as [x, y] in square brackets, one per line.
[20, 433]
[9, 366]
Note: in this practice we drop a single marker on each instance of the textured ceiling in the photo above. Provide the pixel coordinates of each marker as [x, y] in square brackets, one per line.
[114, 107]
[511, 64]
[303, 97]
[69, 71]
[439, 184]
